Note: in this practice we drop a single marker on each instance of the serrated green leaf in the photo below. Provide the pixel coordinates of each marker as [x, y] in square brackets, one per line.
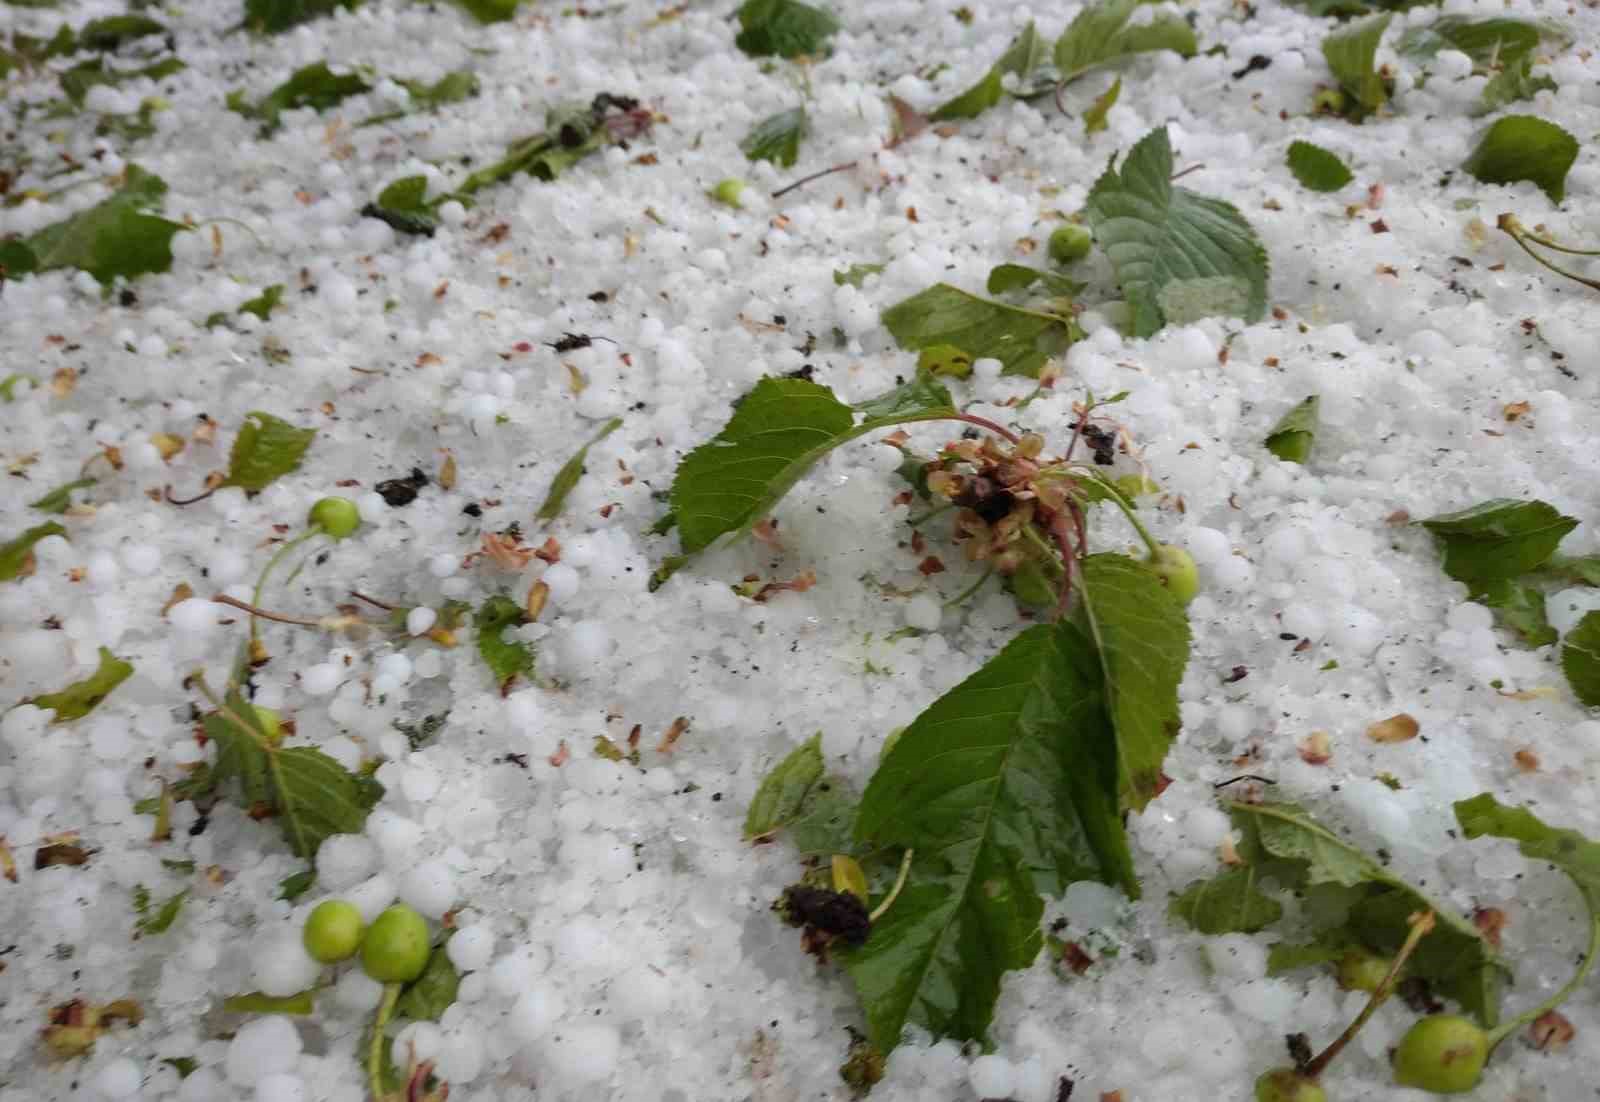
[1455, 959]
[1580, 659]
[113, 32]
[1497, 540]
[786, 28]
[1094, 119]
[160, 920]
[1100, 35]
[114, 237]
[16, 555]
[1022, 340]
[1514, 82]
[856, 274]
[776, 138]
[1005, 788]
[82, 697]
[1352, 56]
[426, 998]
[312, 796]
[1291, 438]
[1567, 850]
[266, 449]
[1179, 256]
[505, 660]
[274, 16]
[783, 790]
[572, 470]
[1228, 903]
[1016, 277]
[58, 499]
[1522, 147]
[1485, 41]
[1025, 54]
[315, 86]
[1142, 635]
[258, 1003]
[779, 430]
[1316, 168]
[1519, 607]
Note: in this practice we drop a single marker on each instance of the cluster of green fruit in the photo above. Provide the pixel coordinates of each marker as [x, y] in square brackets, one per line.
[394, 949]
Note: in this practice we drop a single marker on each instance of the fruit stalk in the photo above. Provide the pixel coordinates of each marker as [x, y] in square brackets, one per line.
[1421, 925]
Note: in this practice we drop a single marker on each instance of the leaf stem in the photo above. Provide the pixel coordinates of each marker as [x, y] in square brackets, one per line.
[373, 601]
[984, 423]
[804, 180]
[234, 602]
[1115, 496]
[266, 572]
[1509, 225]
[391, 995]
[916, 522]
[1513, 226]
[1505, 1029]
[894, 892]
[1421, 925]
[970, 590]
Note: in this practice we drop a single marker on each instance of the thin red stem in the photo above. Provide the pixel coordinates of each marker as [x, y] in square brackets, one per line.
[166, 492]
[804, 180]
[224, 599]
[373, 601]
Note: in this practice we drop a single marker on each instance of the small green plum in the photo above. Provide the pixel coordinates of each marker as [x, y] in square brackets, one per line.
[333, 931]
[271, 722]
[1442, 1053]
[728, 191]
[1069, 243]
[1288, 1085]
[395, 948]
[1177, 571]
[1360, 970]
[335, 516]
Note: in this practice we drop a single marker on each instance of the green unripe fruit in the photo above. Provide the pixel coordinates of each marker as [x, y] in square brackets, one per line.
[336, 516]
[271, 723]
[1177, 571]
[1444, 1053]
[395, 949]
[1288, 1085]
[333, 931]
[728, 191]
[1069, 243]
[1360, 970]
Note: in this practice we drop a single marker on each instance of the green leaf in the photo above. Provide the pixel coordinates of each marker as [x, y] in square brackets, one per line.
[1025, 54]
[1100, 35]
[786, 28]
[79, 79]
[1283, 957]
[572, 132]
[1142, 635]
[114, 237]
[856, 274]
[1178, 256]
[1022, 340]
[572, 470]
[490, 11]
[426, 998]
[944, 359]
[1497, 540]
[505, 660]
[1522, 147]
[8, 385]
[453, 87]
[1229, 903]
[1582, 569]
[266, 449]
[295, 885]
[1293, 849]
[1351, 55]
[1316, 168]
[113, 32]
[257, 1003]
[783, 790]
[1580, 659]
[312, 795]
[776, 138]
[185, 1066]
[1291, 438]
[82, 697]
[1515, 82]
[161, 919]
[1486, 41]
[1567, 850]
[1519, 607]
[274, 16]
[16, 556]
[315, 86]
[404, 205]
[1005, 788]
[1013, 277]
[779, 430]
[1094, 119]
[264, 303]
[58, 499]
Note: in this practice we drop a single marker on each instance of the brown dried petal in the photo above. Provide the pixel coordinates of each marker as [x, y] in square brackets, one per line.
[1551, 1030]
[1397, 728]
[1316, 748]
